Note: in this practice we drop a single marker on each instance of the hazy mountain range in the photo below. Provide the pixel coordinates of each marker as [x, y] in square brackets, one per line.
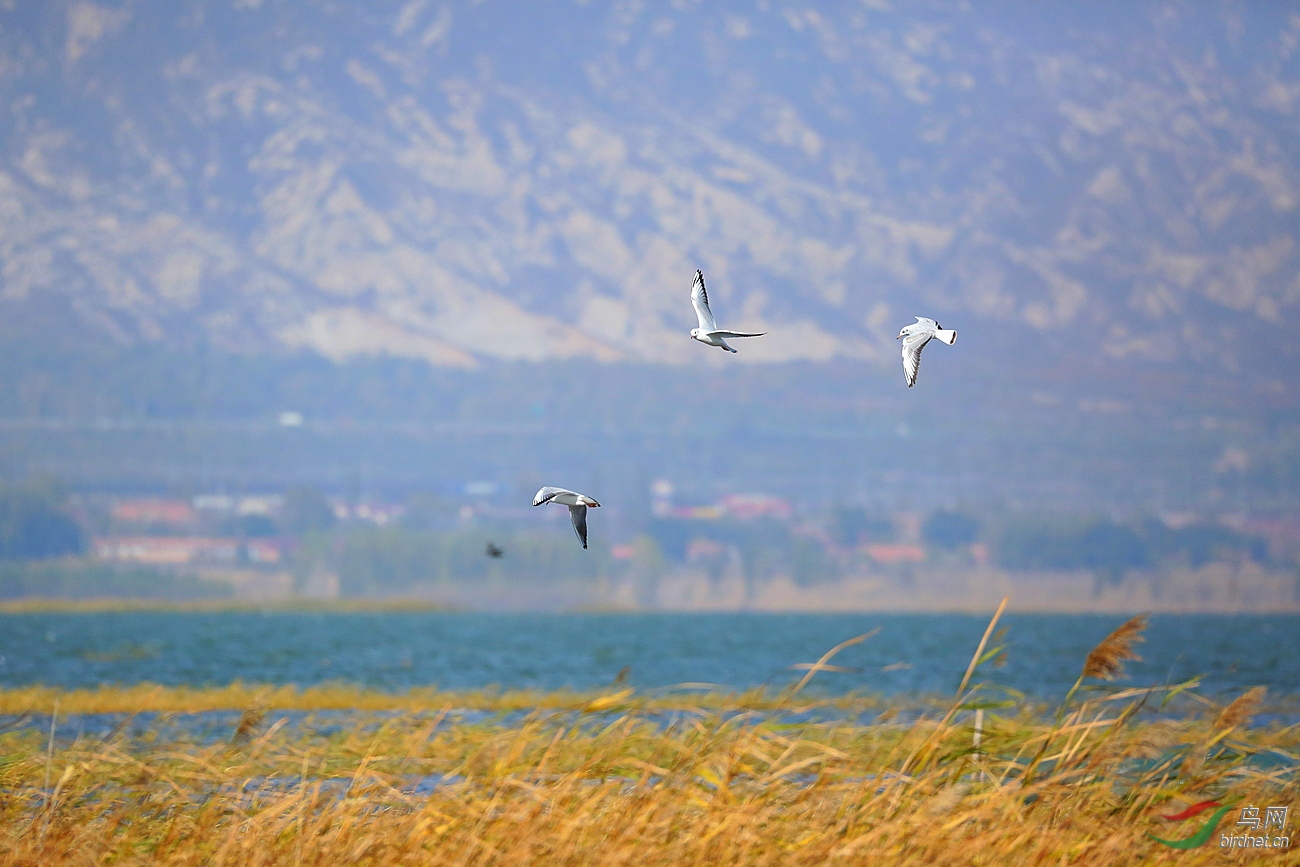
[460, 182]
[1103, 199]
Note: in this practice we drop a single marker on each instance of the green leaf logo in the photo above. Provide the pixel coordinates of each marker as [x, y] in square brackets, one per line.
[1206, 831]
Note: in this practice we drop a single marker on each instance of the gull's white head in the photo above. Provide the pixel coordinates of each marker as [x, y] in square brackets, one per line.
[915, 327]
[695, 334]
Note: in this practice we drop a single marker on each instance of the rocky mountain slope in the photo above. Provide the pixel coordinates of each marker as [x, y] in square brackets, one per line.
[464, 182]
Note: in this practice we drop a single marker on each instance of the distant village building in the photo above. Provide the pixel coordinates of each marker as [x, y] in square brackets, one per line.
[214, 503]
[251, 504]
[891, 555]
[174, 513]
[376, 513]
[187, 550]
[746, 507]
[661, 498]
[700, 549]
[259, 504]
[698, 513]
[740, 507]
[263, 552]
[167, 550]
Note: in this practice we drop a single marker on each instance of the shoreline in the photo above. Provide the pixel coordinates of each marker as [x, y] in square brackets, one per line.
[147, 697]
[309, 605]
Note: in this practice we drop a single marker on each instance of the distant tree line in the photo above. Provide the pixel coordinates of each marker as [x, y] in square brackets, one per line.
[767, 548]
[305, 510]
[396, 559]
[1110, 548]
[1065, 543]
[35, 523]
[37, 528]
[85, 579]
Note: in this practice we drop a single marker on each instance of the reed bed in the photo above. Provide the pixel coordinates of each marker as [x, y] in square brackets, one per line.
[118, 604]
[621, 778]
[153, 698]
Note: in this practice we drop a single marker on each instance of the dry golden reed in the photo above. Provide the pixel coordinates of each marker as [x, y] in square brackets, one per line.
[249, 721]
[1242, 708]
[155, 698]
[1106, 661]
[620, 790]
[624, 779]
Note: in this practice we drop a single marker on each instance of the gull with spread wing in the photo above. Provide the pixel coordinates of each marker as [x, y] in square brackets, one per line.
[914, 338]
[708, 332]
[577, 504]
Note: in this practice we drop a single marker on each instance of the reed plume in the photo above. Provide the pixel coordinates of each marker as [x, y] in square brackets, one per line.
[1106, 661]
[249, 720]
[1237, 713]
[1241, 709]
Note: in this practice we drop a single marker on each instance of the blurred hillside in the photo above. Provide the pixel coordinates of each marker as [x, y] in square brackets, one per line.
[458, 182]
[144, 419]
[456, 240]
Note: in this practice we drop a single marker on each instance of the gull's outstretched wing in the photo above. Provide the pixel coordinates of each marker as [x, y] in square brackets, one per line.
[925, 321]
[578, 514]
[912, 346]
[700, 298]
[548, 493]
[726, 334]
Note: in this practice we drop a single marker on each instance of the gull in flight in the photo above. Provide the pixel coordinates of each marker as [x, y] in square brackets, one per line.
[708, 332]
[577, 504]
[914, 338]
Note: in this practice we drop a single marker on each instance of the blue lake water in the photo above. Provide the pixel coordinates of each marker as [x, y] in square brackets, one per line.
[921, 654]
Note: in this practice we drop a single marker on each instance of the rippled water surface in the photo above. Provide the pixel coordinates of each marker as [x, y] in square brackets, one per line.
[912, 654]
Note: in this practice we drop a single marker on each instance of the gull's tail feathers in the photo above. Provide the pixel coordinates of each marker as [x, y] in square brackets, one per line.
[948, 337]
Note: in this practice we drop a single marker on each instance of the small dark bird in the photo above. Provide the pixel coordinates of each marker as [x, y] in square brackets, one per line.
[621, 677]
[493, 551]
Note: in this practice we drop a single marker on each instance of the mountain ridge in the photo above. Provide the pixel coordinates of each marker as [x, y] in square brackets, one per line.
[461, 183]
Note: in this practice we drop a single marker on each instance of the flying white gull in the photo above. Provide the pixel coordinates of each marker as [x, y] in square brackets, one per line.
[577, 504]
[708, 332]
[914, 338]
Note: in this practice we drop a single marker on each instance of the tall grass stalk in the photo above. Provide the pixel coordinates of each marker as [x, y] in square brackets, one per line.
[925, 751]
[1104, 662]
[822, 664]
